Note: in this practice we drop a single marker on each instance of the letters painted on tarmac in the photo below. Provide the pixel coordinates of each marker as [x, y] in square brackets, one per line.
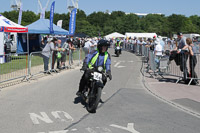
[37, 118]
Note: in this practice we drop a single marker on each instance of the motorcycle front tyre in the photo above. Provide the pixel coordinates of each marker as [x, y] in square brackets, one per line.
[94, 102]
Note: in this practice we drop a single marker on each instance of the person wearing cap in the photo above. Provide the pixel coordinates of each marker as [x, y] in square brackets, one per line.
[179, 54]
[99, 57]
[182, 45]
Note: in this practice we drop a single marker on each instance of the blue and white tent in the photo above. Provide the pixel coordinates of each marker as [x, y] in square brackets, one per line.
[42, 26]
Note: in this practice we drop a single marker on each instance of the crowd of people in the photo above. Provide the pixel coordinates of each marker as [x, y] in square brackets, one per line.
[178, 49]
[59, 49]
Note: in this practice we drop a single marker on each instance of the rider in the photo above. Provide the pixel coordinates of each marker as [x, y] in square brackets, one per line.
[118, 43]
[99, 57]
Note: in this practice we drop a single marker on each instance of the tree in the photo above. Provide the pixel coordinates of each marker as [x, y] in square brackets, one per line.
[176, 23]
[98, 19]
[117, 21]
[196, 22]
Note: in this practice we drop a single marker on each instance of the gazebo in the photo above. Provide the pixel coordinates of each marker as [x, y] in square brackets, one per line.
[7, 25]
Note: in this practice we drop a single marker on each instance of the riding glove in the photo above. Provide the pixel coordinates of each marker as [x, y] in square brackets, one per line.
[109, 75]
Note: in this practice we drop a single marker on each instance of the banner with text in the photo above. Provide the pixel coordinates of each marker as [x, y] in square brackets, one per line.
[72, 23]
[51, 16]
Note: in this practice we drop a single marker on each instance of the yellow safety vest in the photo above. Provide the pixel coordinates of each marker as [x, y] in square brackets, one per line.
[94, 59]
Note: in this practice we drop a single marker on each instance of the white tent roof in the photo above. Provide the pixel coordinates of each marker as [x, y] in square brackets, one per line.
[114, 35]
[141, 35]
[7, 25]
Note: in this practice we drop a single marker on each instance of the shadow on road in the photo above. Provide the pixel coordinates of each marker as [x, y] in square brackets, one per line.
[78, 100]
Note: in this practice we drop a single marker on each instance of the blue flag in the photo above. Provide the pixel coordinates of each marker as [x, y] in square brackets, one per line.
[72, 23]
[51, 16]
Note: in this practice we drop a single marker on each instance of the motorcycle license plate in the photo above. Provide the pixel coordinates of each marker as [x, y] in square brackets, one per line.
[118, 47]
[97, 76]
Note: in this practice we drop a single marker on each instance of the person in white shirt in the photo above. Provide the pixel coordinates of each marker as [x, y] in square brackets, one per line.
[88, 46]
[158, 49]
[158, 53]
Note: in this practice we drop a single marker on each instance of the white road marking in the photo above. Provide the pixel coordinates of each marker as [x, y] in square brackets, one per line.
[43, 117]
[130, 127]
[62, 131]
[57, 116]
[90, 130]
[130, 61]
[120, 66]
[117, 65]
[74, 130]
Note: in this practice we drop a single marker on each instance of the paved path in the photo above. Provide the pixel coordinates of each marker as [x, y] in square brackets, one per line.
[178, 94]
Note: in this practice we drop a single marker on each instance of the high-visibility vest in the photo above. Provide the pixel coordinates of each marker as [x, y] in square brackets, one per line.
[94, 59]
[119, 43]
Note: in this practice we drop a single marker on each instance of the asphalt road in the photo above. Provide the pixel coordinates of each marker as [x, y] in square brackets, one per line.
[49, 105]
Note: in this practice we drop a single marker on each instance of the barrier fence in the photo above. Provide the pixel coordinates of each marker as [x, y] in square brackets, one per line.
[183, 66]
[15, 66]
[24, 65]
[27, 65]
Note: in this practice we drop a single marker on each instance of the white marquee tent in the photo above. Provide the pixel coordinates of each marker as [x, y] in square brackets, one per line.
[140, 35]
[114, 35]
[7, 25]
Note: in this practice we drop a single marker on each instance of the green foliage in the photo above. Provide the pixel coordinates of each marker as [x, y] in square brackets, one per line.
[117, 21]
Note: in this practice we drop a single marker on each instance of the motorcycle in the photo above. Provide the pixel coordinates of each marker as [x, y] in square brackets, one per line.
[117, 51]
[92, 92]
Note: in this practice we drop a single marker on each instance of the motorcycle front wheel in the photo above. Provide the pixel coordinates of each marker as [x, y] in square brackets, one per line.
[94, 101]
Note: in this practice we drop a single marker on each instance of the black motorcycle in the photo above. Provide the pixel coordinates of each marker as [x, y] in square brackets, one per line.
[92, 92]
[117, 51]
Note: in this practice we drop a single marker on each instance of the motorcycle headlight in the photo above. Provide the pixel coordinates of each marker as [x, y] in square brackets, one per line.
[100, 68]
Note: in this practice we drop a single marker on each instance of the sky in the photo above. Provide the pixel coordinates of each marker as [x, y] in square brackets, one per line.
[166, 7]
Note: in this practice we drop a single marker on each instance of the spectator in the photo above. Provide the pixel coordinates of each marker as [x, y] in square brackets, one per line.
[180, 56]
[169, 46]
[46, 52]
[88, 46]
[71, 51]
[158, 53]
[192, 60]
[54, 55]
[162, 43]
[78, 41]
[64, 50]
[58, 54]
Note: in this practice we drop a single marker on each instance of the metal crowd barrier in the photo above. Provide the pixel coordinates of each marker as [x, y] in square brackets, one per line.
[179, 67]
[76, 56]
[26, 65]
[36, 63]
[15, 66]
